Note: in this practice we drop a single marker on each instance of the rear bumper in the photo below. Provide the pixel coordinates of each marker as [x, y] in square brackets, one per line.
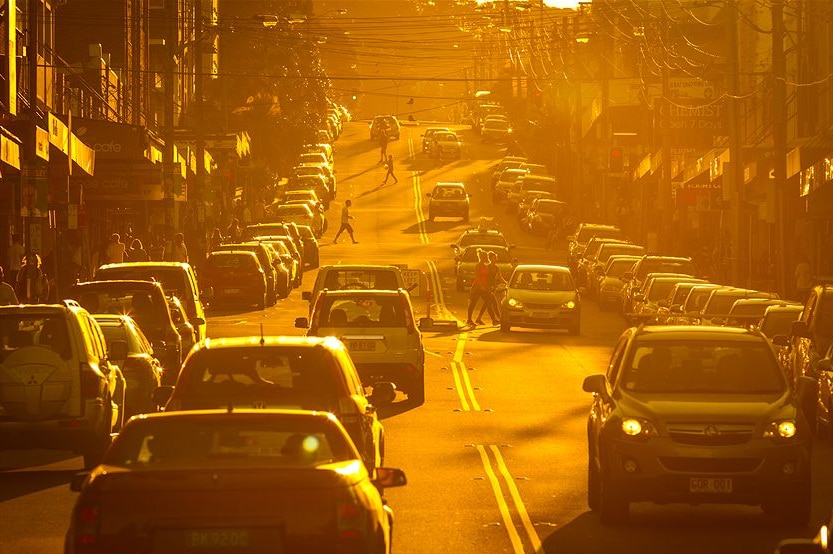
[400, 373]
[75, 434]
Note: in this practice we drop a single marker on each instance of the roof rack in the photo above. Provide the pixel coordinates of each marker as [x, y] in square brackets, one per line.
[69, 303]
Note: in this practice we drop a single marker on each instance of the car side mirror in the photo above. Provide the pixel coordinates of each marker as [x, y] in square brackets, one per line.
[426, 323]
[675, 309]
[198, 321]
[77, 482]
[781, 340]
[207, 294]
[301, 322]
[597, 384]
[800, 329]
[162, 394]
[387, 477]
[638, 297]
[117, 350]
[306, 295]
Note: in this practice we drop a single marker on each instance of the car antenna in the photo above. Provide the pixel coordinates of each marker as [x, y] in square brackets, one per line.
[262, 339]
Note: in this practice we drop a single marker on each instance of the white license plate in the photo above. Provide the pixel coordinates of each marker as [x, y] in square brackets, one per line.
[217, 538]
[232, 291]
[362, 345]
[710, 485]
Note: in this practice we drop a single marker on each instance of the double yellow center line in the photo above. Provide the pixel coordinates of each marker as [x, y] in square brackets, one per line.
[462, 383]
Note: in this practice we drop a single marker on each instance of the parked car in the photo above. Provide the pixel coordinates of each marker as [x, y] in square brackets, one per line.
[610, 283]
[300, 213]
[380, 331]
[652, 264]
[226, 272]
[59, 388]
[698, 415]
[249, 480]
[146, 303]
[582, 235]
[141, 370]
[278, 372]
[311, 247]
[236, 278]
[541, 296]
[178, 279]
[448, 200]
[646, 302]
[187, 333]
[716, 309]
[600, 257]
[688, 313]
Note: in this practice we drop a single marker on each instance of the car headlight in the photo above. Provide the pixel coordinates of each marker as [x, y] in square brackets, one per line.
[638, 427]
[783, 429]
[515, 303]
[570, 304]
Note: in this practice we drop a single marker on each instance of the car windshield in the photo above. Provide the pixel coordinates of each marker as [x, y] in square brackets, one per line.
[362, 311]
[265, 230]
[236, 442]
[445, 137]
[500, 124]
[291, 210]
[470, 255]
[721, 304]
[696, 299]
[488, 239]
[586, 233]
[173, 279]
[449, 193]
[231, 261]
[659, 289]
[116, 330]
[619, 267]
[702, 367]
[272, 377]
[542, 280]
[779, 322]
[20, 330]
[378, 279]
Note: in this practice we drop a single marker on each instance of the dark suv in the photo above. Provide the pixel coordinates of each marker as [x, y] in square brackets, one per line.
[698, 415]
[810, 339]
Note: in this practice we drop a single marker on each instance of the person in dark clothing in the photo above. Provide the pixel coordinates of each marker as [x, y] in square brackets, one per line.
[137, 252]
[495, 279]
[389, 166]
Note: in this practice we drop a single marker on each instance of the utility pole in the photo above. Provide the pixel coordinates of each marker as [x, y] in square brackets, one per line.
[779, 139]
[199, 76]
[169, 165]
[733, 176]
[664, 239]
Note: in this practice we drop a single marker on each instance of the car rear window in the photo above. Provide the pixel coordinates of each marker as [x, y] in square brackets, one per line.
[237, 442]
[449, 193]
[173, 279]
[20, 330]
[779, 322]
[378, 279]
[362, 311]
[665, 265]
[269, 377]
[619, 267]
[586, 233]
[230, 261]
[148, 309]
[267, 230]
[611, 249]
[470, 255]
[702, 367]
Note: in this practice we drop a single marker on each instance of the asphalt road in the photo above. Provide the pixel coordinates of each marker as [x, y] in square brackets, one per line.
[496, 457]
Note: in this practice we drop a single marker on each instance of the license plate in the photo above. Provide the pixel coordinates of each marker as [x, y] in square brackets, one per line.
[710, 485]
[361, 345]
[540, 315]
[232, 291]
[217, 538]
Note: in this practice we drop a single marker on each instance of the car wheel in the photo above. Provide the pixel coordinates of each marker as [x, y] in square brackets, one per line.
[505, 327]
[417, 393]
[613, 505]
[593, 490]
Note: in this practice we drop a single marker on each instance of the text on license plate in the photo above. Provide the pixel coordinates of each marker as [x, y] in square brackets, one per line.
[217, 538]
[714, 485]
[232, 291]
[362, 345]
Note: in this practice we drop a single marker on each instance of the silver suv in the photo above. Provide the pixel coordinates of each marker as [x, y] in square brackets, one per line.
[58, 389]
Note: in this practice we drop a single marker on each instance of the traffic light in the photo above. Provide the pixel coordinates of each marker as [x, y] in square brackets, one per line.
[616, 163]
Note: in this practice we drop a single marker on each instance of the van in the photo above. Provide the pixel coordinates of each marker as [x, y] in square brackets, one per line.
[355, 276]
[177, 279]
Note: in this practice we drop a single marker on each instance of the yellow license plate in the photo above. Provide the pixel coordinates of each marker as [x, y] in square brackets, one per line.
[710, 485]
[362, 345]
[217, 538]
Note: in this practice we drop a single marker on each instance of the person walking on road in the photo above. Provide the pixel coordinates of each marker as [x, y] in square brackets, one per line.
[383, 146]
[345, 222]
[389, 166]
[495, 279]
[7, 295]
[479, 285]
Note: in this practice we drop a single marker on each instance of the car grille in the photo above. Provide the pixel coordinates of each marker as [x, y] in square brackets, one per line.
[710, 434]
[710, 465]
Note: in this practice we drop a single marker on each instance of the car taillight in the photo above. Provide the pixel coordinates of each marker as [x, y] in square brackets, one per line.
[91, 383]
[351, 528]
[87, 525]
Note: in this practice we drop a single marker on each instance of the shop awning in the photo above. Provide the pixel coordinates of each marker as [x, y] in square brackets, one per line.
[70, 145]
[9, 148]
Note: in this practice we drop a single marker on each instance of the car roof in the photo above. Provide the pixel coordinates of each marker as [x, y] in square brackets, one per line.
[225, 415]
[113, 319]
[542, 267]
[699, 332]
[361, 292]
[791, 307]
[146, 264]
[475, 230]
[120, 283]
[268, 341]
[41, 308]
[354, 267]
[485, 246]
[233, 251]
[449, 184]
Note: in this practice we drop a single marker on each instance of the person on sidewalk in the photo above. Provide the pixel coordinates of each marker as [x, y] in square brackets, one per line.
[114, 252]
[32, 286]
[389, 166]
[137, 252]
[7, 295]
[345, 222]
[179, 252]
[15, 254]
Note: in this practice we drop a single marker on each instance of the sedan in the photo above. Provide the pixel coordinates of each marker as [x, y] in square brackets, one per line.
[235, 277]
[446, 145]
[541, 296]
[233, 481]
